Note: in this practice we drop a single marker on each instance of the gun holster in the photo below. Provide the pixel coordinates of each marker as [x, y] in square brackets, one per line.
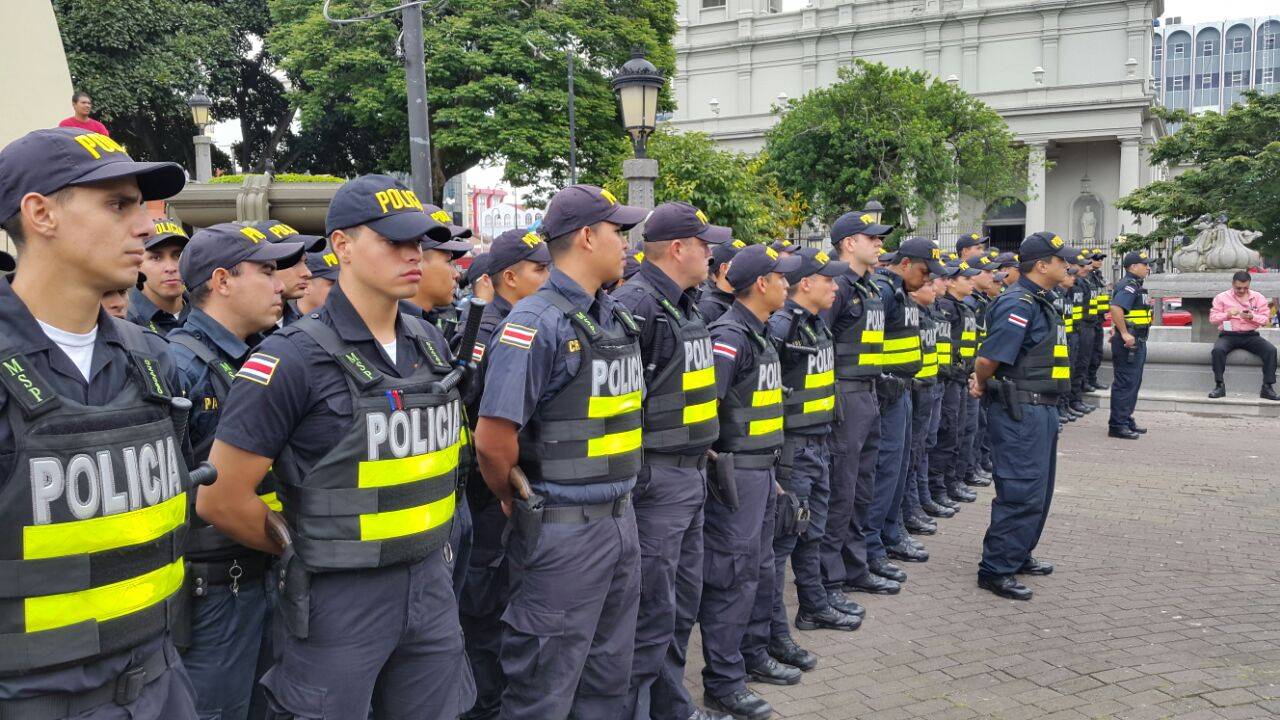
[722, 483]
[294, 583]
[526, 519]
[786, 461]
[790, 515]
[1006, 393]
[888, 390]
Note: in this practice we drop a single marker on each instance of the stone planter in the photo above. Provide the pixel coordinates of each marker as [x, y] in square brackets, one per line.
[302, 205]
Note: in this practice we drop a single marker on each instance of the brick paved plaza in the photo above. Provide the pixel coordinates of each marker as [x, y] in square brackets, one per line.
[1165, 601]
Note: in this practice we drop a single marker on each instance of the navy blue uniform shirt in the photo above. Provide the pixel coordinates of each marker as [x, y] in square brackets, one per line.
[848, 307]
[657, 339]
[734, 350]
[886, 284]
[1016, 323]
[305, 403]
[1127, 292]
[518, 379]
[713, 302]
[144, 313]
[197, 378]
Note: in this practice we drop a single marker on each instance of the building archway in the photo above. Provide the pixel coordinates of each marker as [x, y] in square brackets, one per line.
[1005, 222]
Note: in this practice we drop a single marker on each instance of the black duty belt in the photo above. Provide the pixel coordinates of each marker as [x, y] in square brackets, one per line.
[743, 461]
[857, 385]
[123, 690]
[583, 514]
[1032, 398]
[227, 572]
[698, 461]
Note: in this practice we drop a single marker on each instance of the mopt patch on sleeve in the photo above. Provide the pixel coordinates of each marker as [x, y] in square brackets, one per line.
[518, 336]
[259, 368]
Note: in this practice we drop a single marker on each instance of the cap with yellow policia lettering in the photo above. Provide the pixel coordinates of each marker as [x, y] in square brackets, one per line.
[45, 161]
[226, 245]
[513, 246]
[970, 240]
[442, 216]
[323, 264]
[386, 206]
[1041, 245]
[167, 231]
[277, 231]
[578, 206]
[1135, 257]
[815, 262]
[721, 254]
[755, 262]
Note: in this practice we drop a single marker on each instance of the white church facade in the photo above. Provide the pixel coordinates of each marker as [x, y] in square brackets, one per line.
[1071, 78]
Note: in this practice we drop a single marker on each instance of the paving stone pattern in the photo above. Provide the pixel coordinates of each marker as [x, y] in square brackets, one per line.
[1165, 601]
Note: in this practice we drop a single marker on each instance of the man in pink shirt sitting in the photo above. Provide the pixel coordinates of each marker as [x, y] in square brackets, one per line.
[82, 105]
[1239, 312]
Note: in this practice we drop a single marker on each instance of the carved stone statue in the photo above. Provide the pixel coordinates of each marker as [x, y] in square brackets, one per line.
[1217, 247]
[1088, 226]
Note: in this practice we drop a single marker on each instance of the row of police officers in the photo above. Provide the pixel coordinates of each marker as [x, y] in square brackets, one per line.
[518, 511]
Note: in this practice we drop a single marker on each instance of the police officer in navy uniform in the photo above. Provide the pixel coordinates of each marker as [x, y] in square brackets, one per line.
[518, 263]
[716, 294]
[807, 353]
[162, 285]
[1006, 265]
[901, 358]
[971, 471]
[1022, 370]
[680, 423]
[971, 246]
[926, 404]
[738, 572]
[350, 409]
[324, 267]
[562, 399]
[297, 277]
[1131, 323]
[77, 383]
[231, 273]
[944, 455]
[856, 319]
[1102, 307]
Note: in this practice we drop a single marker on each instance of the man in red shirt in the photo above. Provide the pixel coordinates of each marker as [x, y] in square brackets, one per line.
[82, 105]
[1239, 312]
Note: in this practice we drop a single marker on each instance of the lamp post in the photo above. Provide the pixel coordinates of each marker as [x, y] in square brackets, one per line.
[637, 85]
[875, 208]
[200, 104]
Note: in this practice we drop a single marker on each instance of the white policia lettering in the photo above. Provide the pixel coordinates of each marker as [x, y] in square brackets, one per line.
[875, 319]
[400, 433]
[616, 377]
[697, 355]
[88, 482]
[770, 377]
[821, 361]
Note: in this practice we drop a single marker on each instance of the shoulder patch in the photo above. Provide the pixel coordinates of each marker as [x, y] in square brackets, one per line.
[725, 350]
[259, 368]
[517, 336]
[574, 345]
[477, 352]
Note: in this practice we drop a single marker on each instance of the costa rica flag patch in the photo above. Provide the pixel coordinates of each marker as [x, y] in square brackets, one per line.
[1017, 320]
[259, 368]
[517, 336]
[725, 350]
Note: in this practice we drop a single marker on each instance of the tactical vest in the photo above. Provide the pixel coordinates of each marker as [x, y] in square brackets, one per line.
[751, 415]
[901, 350]
[1062, 305]
[385, 494]
[589, 432]
[964, 334]
[713, 303]
[946, 346]
[1077, 307]
[928, 372]
[857, 348]
[1102, 298]
[980, 315]
[1139, 316]
[680, 405]
[478, 494]
[1046, 367]
[203, 540]
[92, 519]
[809, 377]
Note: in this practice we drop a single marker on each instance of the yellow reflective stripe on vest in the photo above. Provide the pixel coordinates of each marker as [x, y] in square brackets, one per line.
[700, 412]
[607, 406]
[398, 471]
[819, 380]
[906, 343]
[764, 427]
[872, 336]
[1061, 372]
[614, 443]
[698, 378]
[103, 603]
[761, 398]
[1059, 351]
[109, 532]
[1138, 317]
[967, 352]
[409, 521]
[869, 359]
[271, 501]
[819, 405]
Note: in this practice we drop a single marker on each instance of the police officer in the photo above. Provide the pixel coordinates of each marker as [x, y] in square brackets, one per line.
[1061, 298]
[297, 277]
[784, 246]
[562, 399]
[1022, 369]
[971, 246]
[1102, 306]
[807, 353]
[350, 408]
[926, 404]
[323, 267]
[1080, 299]
[94, 387]
[235, 293]
[856, 319]
[908, 269]
[680, 423]
[1006, 265]
[944, 465]
[159, 305]
[716, 295]
[477, 282]
[972, 471]
[737, 594]
[518, 263]
[1131, 322]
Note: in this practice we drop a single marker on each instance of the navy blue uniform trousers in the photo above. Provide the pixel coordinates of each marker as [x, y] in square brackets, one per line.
[883, 527]
[1025, 462]
[853, 443]
[810, 481]
[480, 607]
[1127, 365]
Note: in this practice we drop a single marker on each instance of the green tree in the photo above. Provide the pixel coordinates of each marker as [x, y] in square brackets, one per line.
[894, 135]
[728, 186]
[496, 81]
[1235, 161]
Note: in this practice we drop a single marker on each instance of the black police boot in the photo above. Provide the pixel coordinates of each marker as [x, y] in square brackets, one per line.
[828, 618]
[918, 525]
[907, 552]
[960, 493]
[1098, 386]
[1004, 586]
[945, 501]
[700, 714]
[1033, 566]
[1219, 390]
[772, 672]
[1135, 428]
[1269, 392]
[981, 478]
[873, 584]
[1081, 408]
[837, 600]
[886, 569]
[785, 650]
[742, 705]
[933, 509]
[1123, 433]
[987, 466]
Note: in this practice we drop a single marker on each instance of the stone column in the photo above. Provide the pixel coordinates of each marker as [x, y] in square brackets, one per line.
[1036, 187]
[204, 157]
[640, 174]
[1130, 177]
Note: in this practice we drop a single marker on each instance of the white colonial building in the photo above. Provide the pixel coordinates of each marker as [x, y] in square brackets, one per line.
[1071, 77]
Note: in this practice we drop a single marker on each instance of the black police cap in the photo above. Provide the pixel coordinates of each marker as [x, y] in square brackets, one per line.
[721, 254]
[970, 240]
[386, 206]
[676, 220]
[45, 161]
[442, 216]
[857, 223]
[1041, 245]
[756, 261]
[514, 246]
[323, 264]
[167, 231]
[1135, 257]
[579, 206]
[226, 245]
[277, 231]
[816, 262]
[918, 248]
